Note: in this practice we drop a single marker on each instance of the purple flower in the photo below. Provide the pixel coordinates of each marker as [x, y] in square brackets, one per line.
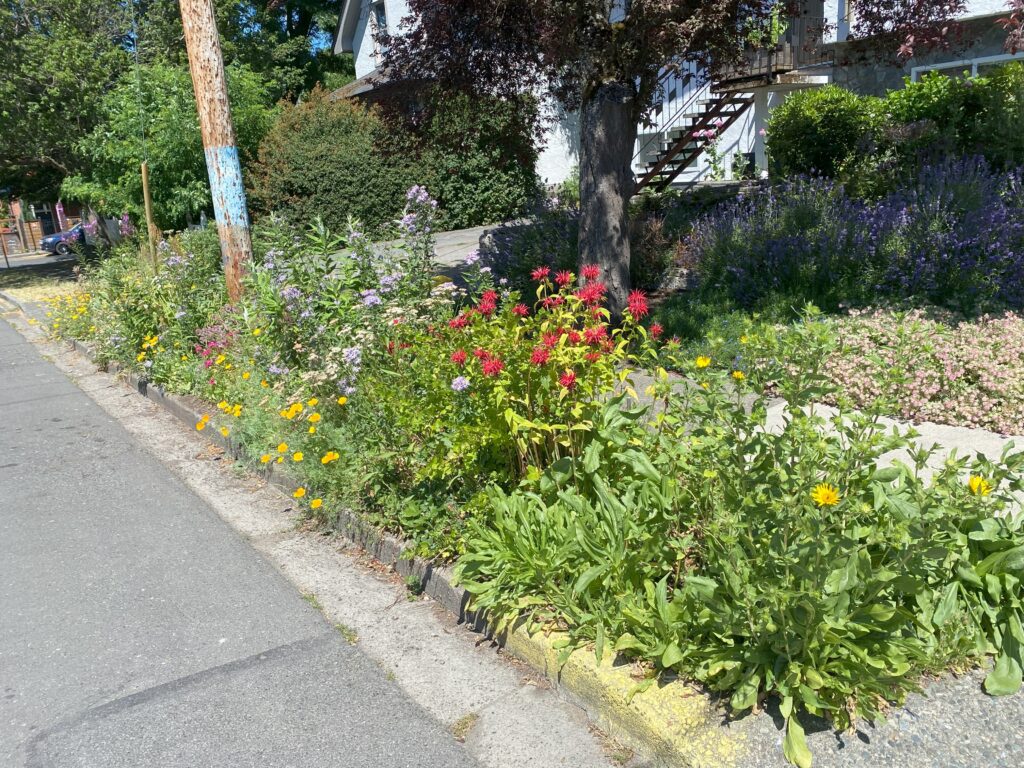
[371, 298]
[460, 383]
[472, 257]
[353, 356]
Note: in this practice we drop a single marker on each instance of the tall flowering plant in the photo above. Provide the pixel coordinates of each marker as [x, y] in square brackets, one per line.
[506, 387]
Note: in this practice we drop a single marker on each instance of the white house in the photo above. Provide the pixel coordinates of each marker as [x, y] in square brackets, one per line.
[698, 127]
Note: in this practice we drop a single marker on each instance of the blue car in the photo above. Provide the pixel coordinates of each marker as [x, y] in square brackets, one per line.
[62, 242]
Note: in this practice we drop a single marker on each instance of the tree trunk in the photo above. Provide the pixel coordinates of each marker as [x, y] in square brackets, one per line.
[607, 138]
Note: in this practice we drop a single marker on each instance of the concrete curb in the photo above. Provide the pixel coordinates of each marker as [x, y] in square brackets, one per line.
[672, 724]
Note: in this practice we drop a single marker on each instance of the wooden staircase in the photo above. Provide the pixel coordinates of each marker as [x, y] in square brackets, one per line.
[686, 141]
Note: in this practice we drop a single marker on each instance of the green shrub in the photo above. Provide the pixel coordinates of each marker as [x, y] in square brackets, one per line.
[764, 559]
[816, 130]
[481, 157]
[327, 158]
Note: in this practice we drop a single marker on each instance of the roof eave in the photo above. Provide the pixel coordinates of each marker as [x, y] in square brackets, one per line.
[344, 37]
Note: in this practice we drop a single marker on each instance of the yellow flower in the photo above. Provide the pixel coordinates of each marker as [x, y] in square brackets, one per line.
[265, 458]
[744, 339]
[280, 459]
[314, 417]
[225, 431]
[236, 411]
[703, 361]
[329, 457]
[342, 400]
[257, 331]
[299, 493]
[297, 456]
[264, 383]
[316, 503]
[220, 359]
[312, 430]
[283, 414]
[825, 495]
[246, 375]
[200, 425]
[739, 375]
[979, 485]
[223, 405]
[282, 448]
[141, 356]
[184, 358]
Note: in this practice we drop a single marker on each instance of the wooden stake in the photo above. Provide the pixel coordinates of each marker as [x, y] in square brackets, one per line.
[151, 230]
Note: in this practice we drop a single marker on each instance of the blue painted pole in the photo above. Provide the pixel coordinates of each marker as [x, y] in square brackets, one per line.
[222, 164]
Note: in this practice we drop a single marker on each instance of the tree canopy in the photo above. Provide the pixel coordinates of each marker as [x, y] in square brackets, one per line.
[159, 98]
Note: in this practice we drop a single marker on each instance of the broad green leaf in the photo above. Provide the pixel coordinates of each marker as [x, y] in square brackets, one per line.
[947, 604]
[1005, 678]
[671, 656]
[794, 746]
[588, 576]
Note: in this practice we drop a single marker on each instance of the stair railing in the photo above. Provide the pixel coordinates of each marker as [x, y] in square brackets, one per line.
[698, 87]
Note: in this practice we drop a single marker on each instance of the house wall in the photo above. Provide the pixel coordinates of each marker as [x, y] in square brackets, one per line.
[363, 44]
[860, 69]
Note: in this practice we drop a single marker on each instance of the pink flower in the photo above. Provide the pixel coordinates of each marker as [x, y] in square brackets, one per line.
[590, 272]
[638, 305]
[564, 277]
[521, 310]
[540, 356]
[492, 366]
[592, 293]
[540, 273]
[595, 334]
[568, 379]
[656, 330]
[459, 357]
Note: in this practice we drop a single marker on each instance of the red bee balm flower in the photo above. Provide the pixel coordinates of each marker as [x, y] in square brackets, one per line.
[656, 330]
[568, 379]
[574, 337]
[540, 273]
[459, 322]
[550, 340]
[590, 272]
[489, 297]
[459, 357]
[593, 357]
[564, 277]
[492, 366]
[521, 309]
[595, 334]
[481, 354]
[540, 356]
[638, 305]
[592, 293]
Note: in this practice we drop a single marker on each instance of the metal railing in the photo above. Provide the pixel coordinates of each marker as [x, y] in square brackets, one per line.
[801, 45]
[679, 91]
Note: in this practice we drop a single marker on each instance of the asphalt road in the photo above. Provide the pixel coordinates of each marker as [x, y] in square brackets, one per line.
[138, 629]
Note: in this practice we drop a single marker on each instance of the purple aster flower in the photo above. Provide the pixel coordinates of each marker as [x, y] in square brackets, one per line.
[460, 383]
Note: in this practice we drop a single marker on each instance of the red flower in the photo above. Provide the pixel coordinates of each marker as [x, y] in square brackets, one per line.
[391, 347]
[540, 356]
[574, 337]
[481, 354]
[553, 301]
[638, 305]
[461, 321]
[656, 330]
[595, 334]
[592, 293]
[540, 273]
[459, 357]
[593, 357]
[568, 379]
[564, 277]
[550, 340]
[489, 297]
[521, 309]
[492, 366]
[590, 272]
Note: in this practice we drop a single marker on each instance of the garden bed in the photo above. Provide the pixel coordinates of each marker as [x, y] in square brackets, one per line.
[483, 428]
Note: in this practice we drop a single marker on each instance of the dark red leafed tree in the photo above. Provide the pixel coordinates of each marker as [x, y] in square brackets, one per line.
[604, 58]
[601, 57]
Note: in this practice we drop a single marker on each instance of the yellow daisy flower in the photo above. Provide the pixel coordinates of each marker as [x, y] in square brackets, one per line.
[825, 495]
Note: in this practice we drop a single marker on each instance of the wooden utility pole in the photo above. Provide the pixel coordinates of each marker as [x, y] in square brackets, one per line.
[207, 66]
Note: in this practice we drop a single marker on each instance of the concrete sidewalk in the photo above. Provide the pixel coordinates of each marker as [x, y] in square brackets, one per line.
[139, 630]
